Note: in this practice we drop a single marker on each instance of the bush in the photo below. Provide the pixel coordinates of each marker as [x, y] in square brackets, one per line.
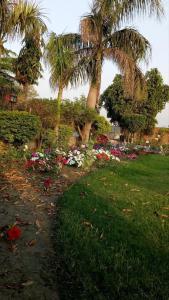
[18, 128]
[65, 133]
[44, 108]
[49, 138]
[101, 125]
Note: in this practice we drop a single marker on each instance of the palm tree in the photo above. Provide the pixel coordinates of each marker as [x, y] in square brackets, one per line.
[103, 38]
[64, 65]
[19, 18]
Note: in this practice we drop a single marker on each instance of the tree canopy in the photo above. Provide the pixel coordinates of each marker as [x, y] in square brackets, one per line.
[133, 114]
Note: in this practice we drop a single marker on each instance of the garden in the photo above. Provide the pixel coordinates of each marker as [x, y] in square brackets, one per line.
[84, 197]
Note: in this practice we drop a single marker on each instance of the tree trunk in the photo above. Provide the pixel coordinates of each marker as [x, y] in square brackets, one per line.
[25, 91]
[93, 97]
[59, 101]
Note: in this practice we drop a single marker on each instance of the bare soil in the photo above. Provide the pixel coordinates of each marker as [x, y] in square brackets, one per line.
[26, 269]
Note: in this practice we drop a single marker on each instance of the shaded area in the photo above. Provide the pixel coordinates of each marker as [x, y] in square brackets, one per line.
[25, 265]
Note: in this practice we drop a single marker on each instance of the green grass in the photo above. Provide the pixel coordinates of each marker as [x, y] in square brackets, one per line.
[112, 238]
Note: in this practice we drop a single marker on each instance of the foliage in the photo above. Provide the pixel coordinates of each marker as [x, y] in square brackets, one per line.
[18, 128]
[42, 162]
[109, 229]
[63, 65]
[157, 97]
[77, 113]
[65, 133]
[28, 65]
[21, 18]
[132, 114]
[135, 123]
[8, 83]
[101, 125]
[49, 139]
[103, 37]
[44, 108]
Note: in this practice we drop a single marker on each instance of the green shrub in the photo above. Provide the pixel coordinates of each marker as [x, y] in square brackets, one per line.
[101, 125]
[65, 133]
[18, 128]
[49, 138]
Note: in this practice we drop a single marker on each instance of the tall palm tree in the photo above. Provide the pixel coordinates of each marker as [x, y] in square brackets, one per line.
[103, 38]
[19, 18]
[64, 65]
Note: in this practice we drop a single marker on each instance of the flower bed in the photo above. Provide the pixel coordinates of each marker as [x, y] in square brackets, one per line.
[85, 156]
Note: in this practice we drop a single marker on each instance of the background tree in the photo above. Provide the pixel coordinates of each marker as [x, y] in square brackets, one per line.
[131, 114]
[157, 97]
[28, 64]
[8, 83]
[103, 38]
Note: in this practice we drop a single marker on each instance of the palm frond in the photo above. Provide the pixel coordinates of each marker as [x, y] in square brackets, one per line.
[122, 10]
[89, 29]
[26, 18]
[130, 41]
[133, 76]
[64, 59]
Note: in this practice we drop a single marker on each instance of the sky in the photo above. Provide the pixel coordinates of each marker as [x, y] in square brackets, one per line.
[63, 16]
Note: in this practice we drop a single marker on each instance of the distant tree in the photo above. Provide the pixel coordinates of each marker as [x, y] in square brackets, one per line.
[157, 97]
[134, 115]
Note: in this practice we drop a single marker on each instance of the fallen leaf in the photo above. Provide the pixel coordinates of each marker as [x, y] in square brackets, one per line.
[135, 190]
[38, 224]
[164, 216]
[88, 224]
[21, 222]
[31, 243]
[165, 208]
[27, 283]
[127, 210]
[12, 248]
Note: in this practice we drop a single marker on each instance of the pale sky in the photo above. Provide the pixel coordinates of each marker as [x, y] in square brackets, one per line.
[64, 17]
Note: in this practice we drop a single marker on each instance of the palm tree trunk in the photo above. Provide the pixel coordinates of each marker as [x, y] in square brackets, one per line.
[93, 98]
[25, 91]
[59, 101]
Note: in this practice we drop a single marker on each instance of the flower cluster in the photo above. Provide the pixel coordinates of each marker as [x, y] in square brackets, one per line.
[43, 162]
[75, 158]
[102, 154]
[102, 139]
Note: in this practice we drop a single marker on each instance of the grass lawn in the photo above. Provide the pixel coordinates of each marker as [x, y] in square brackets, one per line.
[112, 233]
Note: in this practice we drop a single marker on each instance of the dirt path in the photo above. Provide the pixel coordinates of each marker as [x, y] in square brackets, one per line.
[26, 266]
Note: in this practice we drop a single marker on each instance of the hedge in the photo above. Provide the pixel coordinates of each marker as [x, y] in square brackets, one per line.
[18, 128]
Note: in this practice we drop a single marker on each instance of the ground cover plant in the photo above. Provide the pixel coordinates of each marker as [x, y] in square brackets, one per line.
[112, 233]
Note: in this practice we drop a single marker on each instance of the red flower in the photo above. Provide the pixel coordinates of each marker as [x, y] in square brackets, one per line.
[13, 233]
[47, 183]
[29, 164]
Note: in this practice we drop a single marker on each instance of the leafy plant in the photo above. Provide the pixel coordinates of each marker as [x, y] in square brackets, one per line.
[65, 133]
[18, 128]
